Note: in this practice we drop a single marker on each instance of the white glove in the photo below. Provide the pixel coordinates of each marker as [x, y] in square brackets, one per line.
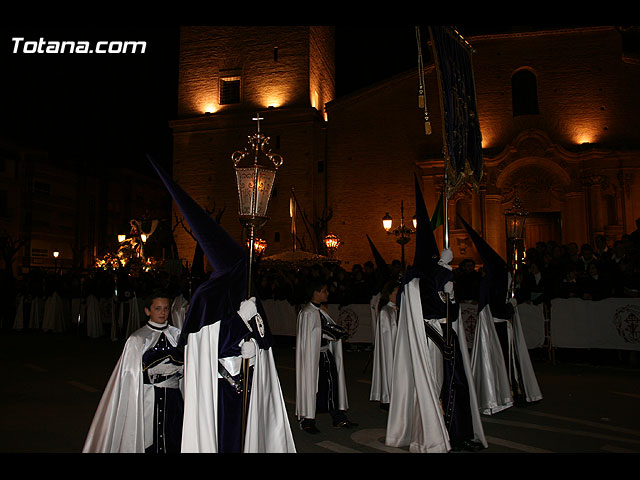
[448, 288]
[248, 310]
[248, 350]
[165, 368]
[446, 256]
[513, 302]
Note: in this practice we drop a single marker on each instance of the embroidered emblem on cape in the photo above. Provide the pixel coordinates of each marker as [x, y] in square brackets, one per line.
[348, 319]
[627, 323]
[260, 325]
[469, 314]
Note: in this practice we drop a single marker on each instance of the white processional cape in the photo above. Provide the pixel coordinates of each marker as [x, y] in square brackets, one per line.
[492, 373]
[415, 415]
[308, 339]
[488, 366]
[121, 423]
[179, 308]
[385, 337]
[519, 354]
[267, 430]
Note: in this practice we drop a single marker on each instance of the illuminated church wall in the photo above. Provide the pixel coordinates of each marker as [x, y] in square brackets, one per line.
[368, 146]
[573, 164]
[577, 157]
[376, 139]
[286, 74]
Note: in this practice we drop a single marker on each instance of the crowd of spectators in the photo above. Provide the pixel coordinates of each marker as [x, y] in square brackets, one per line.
[346, 286]
[550, 270]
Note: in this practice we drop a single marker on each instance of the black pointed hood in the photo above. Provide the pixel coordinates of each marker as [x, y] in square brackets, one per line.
[426, 247]
[383, 273]
[382, 265]
[222, 251]
[492, 261]
[494, 285]
[219, 297]
[425, 266]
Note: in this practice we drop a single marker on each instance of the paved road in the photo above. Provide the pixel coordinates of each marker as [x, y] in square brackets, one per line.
[53, 384]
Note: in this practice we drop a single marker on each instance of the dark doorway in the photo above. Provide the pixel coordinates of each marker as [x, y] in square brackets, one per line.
[543, 227]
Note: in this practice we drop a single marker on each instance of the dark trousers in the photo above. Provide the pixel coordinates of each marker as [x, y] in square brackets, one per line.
[167, 421]
[455, 396]
[327, 398]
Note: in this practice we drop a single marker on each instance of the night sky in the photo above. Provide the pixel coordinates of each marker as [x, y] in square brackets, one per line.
[92, 109]
[116, 108]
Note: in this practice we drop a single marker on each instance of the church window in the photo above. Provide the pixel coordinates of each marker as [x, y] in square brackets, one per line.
[524, 91]
[229, 90]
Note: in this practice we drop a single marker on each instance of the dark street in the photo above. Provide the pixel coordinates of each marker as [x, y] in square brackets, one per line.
[590, 402]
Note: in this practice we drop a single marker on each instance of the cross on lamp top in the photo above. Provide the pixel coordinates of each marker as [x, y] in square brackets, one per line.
[257, 118]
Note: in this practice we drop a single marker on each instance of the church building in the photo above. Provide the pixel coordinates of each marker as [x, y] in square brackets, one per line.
[557, 111]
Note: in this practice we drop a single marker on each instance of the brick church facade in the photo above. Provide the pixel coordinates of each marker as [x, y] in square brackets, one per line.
[557, 112]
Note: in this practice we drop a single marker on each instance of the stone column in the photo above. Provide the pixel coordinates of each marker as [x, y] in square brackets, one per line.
[574, 220]
[494, 232]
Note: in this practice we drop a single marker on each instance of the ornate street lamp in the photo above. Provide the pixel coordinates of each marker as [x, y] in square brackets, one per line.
[402, 233]
[256, 170]
[332, 242]
[515, 219]
[56, 254]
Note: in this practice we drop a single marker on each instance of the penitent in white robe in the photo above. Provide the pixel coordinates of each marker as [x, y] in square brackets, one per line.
[519, 357]
[308, 339]
[415, 414]
[267, 430]
[415, 418]
[385, 337]
[488, 367]
[123, 422]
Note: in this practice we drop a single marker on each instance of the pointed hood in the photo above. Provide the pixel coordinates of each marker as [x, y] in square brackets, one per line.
[220, 295]
[383, 267]
[425, 263]
[426, 248]
[494, 285]
[426, 254]
[383, 273]
[493, 262]
[222, 251]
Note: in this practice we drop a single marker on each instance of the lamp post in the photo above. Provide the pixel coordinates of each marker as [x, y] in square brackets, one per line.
[255, 168]
[56, 254]
[402, 233]
[515, 219]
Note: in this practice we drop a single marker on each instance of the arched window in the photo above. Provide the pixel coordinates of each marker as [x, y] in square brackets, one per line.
[524, 91]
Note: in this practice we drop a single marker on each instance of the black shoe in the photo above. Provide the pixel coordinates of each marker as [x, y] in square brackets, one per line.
[309, 427]
[345, 424]
[466, 446]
